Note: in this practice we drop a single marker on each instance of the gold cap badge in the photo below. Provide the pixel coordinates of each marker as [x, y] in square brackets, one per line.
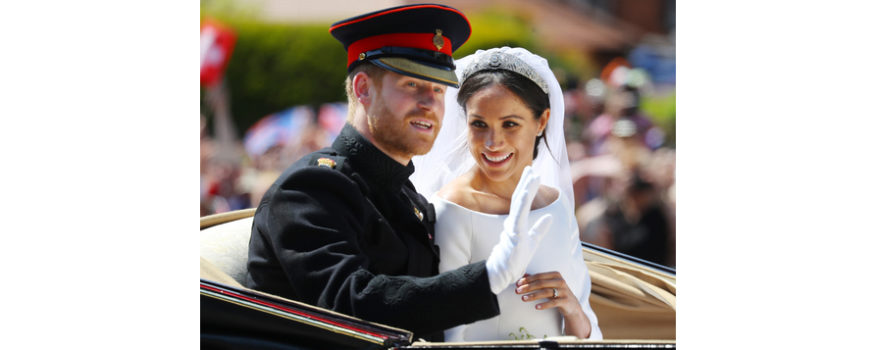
[438, 39]
[326, 162]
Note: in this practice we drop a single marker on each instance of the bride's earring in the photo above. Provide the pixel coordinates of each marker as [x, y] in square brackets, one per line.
[540, 133]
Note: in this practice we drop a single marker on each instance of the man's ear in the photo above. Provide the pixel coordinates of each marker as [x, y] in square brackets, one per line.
[361, 85]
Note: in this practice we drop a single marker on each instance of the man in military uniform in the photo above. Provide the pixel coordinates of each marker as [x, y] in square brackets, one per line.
[344, 229]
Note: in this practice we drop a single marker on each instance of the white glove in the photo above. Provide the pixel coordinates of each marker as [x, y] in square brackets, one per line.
[516, 246]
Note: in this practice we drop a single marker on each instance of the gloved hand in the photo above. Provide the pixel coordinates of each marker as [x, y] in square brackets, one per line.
[517, 244]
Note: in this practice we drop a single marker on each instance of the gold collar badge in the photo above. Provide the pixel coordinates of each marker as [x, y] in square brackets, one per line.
[418, 213]
[326, 162]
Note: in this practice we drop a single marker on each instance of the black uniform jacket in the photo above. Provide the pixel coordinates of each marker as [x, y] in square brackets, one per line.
[344, 229]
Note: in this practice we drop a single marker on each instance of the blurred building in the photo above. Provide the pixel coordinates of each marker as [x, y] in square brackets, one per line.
[652, 16]
[316, 11]
[603, 29]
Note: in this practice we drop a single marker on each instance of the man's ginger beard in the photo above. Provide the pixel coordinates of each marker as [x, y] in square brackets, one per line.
[392, 132]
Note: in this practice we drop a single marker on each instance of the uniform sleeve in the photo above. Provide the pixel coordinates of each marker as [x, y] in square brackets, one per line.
[314, 223]
[453, 236]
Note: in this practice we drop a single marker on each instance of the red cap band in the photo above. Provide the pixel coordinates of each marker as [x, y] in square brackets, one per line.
[415, 40]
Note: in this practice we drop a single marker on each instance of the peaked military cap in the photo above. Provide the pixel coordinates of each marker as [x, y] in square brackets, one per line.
[413, 40]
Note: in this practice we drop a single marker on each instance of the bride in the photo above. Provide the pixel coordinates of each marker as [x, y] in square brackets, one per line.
[507, 116]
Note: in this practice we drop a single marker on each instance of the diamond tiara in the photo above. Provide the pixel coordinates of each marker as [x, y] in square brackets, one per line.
[501, 60]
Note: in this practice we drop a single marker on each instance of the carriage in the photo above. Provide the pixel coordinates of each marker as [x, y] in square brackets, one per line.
[635, 301]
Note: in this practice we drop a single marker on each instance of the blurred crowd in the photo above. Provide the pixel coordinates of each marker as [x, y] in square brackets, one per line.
[236, 175]
[622, 167]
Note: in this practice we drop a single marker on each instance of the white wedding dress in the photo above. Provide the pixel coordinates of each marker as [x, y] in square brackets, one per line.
[465, 236]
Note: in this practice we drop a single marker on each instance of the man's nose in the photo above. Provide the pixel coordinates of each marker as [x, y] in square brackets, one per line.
[427, 97]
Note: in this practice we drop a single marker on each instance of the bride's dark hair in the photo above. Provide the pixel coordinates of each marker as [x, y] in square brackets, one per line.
[534, 98]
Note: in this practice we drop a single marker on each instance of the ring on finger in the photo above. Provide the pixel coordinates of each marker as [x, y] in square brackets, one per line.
[555, 293]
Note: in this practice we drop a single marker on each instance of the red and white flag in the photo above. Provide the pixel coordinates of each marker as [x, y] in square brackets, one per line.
[217, 43]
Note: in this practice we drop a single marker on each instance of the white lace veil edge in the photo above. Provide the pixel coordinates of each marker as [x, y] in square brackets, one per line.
[449, 157]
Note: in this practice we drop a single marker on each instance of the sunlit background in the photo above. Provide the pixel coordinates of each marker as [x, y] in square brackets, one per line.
[272, 91]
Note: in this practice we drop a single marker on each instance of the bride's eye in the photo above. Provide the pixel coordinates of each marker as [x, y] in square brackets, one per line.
[478, 124]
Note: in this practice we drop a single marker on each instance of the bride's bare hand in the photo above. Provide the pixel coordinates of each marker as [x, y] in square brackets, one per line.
[552, 287]
[541, 286]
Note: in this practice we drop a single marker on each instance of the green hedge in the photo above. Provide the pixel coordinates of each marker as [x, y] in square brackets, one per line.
[495, 28]
[276, 66]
